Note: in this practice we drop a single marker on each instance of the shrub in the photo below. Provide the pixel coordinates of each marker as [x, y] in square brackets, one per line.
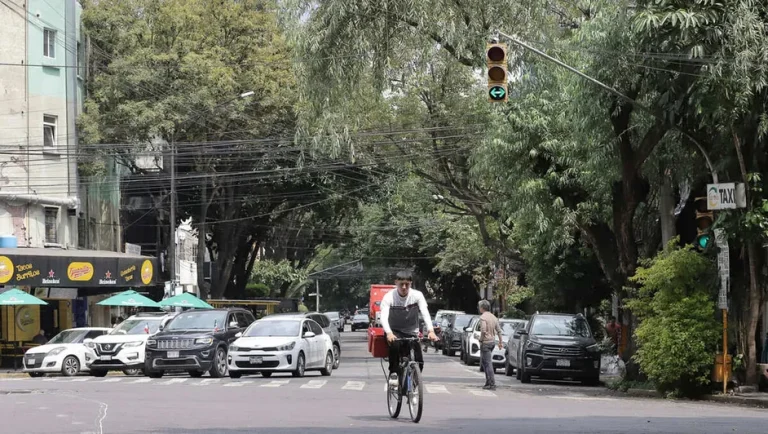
[678, 333]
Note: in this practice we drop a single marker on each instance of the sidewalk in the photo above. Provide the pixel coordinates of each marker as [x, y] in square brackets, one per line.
[752, 399]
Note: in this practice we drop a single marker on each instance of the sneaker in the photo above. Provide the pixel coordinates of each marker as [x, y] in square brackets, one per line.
[393, 383]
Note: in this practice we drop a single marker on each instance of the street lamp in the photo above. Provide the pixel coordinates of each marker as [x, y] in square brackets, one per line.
[172, 250]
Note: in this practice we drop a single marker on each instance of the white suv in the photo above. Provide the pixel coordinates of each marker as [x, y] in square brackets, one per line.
[124, 348]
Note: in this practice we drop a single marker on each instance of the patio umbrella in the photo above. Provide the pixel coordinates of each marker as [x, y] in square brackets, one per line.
[129, 299]
[16, 297]
[186, 300]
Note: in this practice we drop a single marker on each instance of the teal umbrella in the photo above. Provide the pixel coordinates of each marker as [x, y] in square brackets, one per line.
[17, 297]
[186, 300]
[129, 299]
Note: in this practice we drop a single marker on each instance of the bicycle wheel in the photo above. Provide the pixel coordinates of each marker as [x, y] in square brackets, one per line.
[415, 393]
[394, 401]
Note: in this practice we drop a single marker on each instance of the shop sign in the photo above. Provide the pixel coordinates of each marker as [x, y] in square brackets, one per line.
[80, 271]
[26, 272]
[6, 269]
[127, 274]
[107, 279]
[51, 279]
[146, 272]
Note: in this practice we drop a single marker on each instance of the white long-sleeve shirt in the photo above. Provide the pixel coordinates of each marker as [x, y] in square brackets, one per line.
[413, 299]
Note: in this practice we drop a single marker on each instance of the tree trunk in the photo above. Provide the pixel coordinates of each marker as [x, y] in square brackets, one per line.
[753, 314]
[201, 238]
[667, 209]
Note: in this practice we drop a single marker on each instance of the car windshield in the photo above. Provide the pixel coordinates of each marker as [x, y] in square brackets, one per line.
[273, 328]
[509, 327]
[137, 326]
[200, 320]
[361, 317]
[68, 337]
[560, 326]
[462, 321]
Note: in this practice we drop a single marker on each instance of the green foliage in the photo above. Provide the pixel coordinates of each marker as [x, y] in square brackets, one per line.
[678, 333]
[255, 290]
[274, 274]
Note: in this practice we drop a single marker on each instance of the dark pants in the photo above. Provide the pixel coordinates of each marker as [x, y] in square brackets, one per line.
[486, 359]
[400, 349]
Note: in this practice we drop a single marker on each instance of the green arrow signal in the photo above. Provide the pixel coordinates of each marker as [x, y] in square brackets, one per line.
[497, 93]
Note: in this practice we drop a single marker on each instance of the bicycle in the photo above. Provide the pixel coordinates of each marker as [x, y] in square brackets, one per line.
[411, 386]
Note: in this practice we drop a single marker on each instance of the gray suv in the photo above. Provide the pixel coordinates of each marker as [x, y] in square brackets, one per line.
[328, 327]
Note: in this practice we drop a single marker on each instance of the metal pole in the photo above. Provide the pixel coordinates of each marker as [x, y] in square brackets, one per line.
[172, 243]
[725, 351]
[317, 295]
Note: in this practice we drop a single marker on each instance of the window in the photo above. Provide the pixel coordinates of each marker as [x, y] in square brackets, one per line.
[93, 334]
[49, 43]
[242, 320]
[81, 233]
[80, 60]
[49, 131]
[315, 328]
[51, 224]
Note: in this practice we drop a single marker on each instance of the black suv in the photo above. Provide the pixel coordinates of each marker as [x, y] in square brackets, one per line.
[196, 341]
[555, 346]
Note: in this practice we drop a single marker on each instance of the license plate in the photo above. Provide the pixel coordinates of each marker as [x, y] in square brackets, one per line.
[173, 354]
[256, 360]
[105, 358]
[30, 361]
[565, 363]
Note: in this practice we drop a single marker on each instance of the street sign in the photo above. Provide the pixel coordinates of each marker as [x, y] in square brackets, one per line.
[726, 196]
[497, 93]
[132, 249]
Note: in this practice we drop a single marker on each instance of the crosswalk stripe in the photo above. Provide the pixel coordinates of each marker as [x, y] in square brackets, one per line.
[207, 381]
[238, 383]
[276, 383]
[482, 393]
[51, 379]
[112, 380]
[141, 380]
[354, 385]
[313, 384]
[436, 388]
[80, 380]
[174, 381]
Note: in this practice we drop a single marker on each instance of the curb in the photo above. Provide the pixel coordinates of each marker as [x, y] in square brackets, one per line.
[721, 399]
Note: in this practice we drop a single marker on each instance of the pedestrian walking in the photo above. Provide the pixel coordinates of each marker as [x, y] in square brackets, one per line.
[490, 330]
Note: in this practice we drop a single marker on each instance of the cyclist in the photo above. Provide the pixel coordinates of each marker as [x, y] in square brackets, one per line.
[400, 310]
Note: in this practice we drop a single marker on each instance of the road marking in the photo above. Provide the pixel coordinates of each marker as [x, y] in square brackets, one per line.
[141, 380]
[51, 379]
[238, 383]
[583, 398]
[61, 415]
[482, 393]
[276, 383]
[112, 380]
[355, 385]
[207, 381]
[174, 381]
[313, 384]
[80, 380]
[436, 388]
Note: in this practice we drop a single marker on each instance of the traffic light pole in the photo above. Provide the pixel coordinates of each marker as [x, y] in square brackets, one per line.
[618, 94]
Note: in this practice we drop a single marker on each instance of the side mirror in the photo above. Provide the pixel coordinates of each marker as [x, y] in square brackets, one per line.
[522, 333]
[161, 327]
[467, 329]
[309, 335]
[239, 335]
[233, 325]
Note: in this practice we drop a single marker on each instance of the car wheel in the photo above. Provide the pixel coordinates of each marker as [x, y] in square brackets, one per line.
[508, 371]
[524, 376]
[156, 374]
[70, 366]
[35, 374]
[97, 373]
[300, 366]
[329, 363]
[266, 374]
[196, 374]
[219, 368]
[336, 356]
[132, 372]
[451, 353]
[234, 374]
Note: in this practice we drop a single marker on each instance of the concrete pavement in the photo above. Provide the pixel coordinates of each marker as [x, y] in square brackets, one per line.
[352, 400]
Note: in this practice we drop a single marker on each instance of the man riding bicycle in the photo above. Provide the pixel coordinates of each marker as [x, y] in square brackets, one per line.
[400, 309]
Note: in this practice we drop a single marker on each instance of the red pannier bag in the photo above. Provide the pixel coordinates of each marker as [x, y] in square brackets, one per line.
[377, 342]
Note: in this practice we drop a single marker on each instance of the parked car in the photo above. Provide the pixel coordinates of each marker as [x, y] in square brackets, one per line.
[196, 341]
[474, 326]
[499, 355]
[123, 349]
[512, 344]
[451, 336]
[360, 321]
[330, 329]
[280, 343]
[337, 320]
[556, 346]
[442, 313]
[65, 353]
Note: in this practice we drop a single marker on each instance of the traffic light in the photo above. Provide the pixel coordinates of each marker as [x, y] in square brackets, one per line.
[496, 61]
[704, 221]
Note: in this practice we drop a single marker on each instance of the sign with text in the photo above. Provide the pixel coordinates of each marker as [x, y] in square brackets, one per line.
[726, 196]
[64, 272]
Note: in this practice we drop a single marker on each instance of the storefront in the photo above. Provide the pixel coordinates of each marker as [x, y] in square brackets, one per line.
[71, 282]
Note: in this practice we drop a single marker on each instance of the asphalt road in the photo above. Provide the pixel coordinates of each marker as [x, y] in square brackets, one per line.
[352, 400]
